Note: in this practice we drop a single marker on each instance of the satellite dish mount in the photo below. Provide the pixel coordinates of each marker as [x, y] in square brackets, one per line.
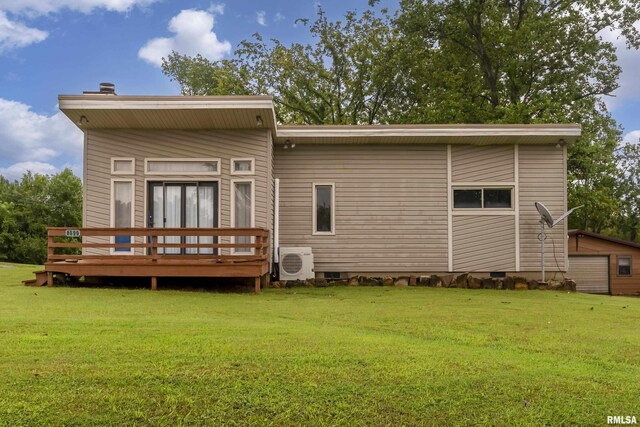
[547, 219]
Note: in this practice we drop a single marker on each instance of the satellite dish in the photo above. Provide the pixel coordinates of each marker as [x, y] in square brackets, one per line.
[547, 219]
[546, 216]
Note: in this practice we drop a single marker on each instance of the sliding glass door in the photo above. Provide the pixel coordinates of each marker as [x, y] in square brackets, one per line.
[180, 205]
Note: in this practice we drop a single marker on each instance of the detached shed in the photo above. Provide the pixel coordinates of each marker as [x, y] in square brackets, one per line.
[603, 264]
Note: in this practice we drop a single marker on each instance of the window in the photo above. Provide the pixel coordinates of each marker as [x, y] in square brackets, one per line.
[242, 166]
[122, 166]
[242, 212]
[122, 211]
[182, 166]
[482, 198]
[323, 209]
[180, 205]
[624, 265]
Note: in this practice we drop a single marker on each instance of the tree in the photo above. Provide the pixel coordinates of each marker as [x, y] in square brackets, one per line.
[198, 76]
[523, 61]
[29, 206]
[451, 61]
[348, 77]
[628, 157]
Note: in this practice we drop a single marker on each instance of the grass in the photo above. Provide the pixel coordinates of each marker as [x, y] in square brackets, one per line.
[332, 356]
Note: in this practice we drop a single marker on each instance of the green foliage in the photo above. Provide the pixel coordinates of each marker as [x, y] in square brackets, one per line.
[524, 62]
[332, 356]
[199, 76]
[348, 76]
[628, 157]
[451, 61]
[29, 206]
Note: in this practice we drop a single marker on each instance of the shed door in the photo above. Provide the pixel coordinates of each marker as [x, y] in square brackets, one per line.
[591, 273]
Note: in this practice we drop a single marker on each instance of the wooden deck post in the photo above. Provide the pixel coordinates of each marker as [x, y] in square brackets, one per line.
[257, 282]
[154, 283]
[265, 281]
[49, 278]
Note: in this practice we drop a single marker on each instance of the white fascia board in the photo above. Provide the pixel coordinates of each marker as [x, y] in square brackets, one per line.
[117, 104]
[429, 132]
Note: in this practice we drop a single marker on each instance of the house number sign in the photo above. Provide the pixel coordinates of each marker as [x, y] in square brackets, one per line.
[72, 233]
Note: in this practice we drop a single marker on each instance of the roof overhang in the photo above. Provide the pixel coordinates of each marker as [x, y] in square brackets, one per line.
[168, 112]
[583, 233]
[433, 134]
[102, 111]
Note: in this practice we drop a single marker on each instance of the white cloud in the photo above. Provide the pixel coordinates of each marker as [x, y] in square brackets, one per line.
[16, 170]
[44, 7]
[216, 8]
[261, 18]
[194, 34]
[278, 17]
[15, 34]
[632, 137]
[629, 60]
[36, 141]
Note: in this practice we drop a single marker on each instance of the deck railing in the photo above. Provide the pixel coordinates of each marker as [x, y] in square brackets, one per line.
[152, 244]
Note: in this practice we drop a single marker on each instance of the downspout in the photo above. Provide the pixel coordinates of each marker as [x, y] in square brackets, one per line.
[276, 222]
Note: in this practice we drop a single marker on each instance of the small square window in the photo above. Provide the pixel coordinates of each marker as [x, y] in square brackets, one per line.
[242, 166]
[120, 166]
[624, 266]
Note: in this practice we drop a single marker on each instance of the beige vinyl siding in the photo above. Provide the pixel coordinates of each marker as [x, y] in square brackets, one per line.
[542, 179]
[102, 145]
[489, 163]
[391, 205]
[484, 243]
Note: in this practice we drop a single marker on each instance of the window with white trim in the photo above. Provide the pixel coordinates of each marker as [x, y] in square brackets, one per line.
[122, 165]
[182, 166]
[122, 211]
[242, 166]
[483, 198]
[323, 208]
[242, 212]
[624, 265]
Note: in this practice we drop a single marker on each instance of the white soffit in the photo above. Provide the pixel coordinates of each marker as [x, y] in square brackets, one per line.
[479, 134]
[241, 112]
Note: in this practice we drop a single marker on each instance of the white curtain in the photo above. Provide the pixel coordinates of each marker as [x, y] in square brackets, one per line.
[206, 215]
[123, 197]
[191, 217]
[242, 211]
[158, 212]
[173, 205]
[123, 192]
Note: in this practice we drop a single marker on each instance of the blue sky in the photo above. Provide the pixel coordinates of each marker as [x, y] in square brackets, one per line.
[51, 47]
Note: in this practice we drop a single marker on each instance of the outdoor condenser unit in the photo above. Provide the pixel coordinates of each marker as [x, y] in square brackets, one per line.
[296, 263]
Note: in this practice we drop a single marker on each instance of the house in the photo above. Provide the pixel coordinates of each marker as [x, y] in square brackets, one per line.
[367, 200]
[603, 264]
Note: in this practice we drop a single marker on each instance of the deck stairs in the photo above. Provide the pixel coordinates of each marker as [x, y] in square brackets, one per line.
[40, 280]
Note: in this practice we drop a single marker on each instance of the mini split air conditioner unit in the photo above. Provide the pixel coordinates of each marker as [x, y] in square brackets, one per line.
[296, 264]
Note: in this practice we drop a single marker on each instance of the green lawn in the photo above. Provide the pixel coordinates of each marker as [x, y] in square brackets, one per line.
[331, 356]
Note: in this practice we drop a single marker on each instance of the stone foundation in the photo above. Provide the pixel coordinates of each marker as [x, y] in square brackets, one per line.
[464, 281]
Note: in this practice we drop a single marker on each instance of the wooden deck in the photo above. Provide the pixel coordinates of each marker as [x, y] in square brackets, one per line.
[158, 252]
